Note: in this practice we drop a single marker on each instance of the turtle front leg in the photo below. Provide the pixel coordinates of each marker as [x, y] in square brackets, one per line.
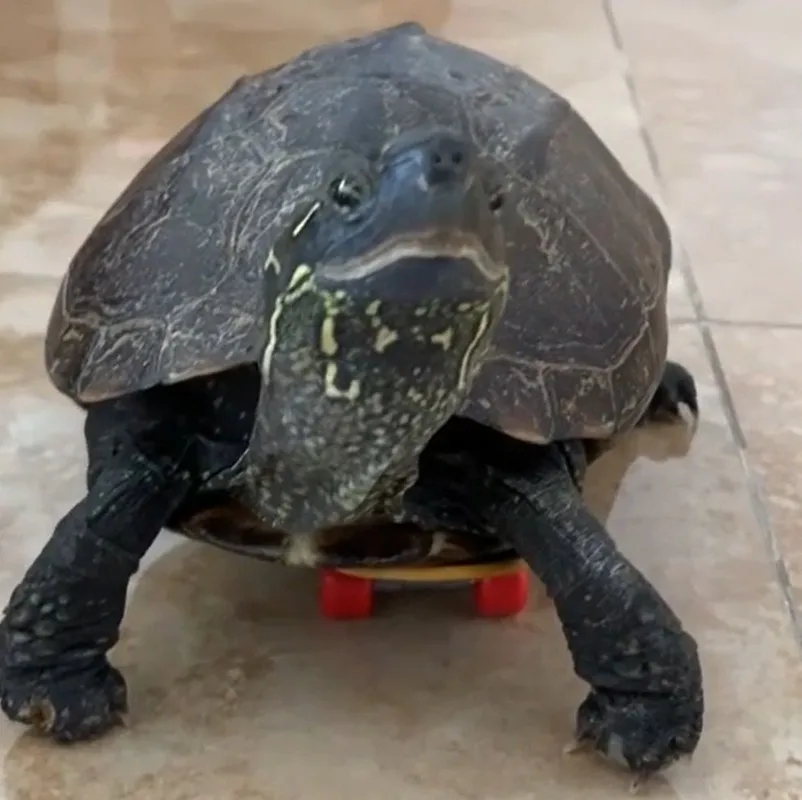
[65, 614]
[646, 704]
[645, 707]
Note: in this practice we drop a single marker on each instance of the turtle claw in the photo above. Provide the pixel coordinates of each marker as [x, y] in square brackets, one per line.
[641, 781]
[576, 746]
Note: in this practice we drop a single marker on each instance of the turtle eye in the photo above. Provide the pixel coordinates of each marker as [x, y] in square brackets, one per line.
[348, 193]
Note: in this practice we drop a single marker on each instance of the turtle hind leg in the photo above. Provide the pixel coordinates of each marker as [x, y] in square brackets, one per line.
[676, 398]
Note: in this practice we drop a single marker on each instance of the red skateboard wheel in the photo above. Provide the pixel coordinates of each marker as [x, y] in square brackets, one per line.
[345, 596]
[501, 595]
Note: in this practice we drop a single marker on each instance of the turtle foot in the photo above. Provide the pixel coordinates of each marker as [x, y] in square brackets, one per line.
[645, 733]
[676, 398]
[68, 707]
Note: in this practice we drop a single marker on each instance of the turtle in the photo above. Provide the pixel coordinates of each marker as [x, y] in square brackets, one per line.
[393, 284]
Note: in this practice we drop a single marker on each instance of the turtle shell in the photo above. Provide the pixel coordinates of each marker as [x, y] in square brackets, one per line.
[170, 284]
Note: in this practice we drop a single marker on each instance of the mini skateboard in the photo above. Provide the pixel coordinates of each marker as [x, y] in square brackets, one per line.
[499, 589]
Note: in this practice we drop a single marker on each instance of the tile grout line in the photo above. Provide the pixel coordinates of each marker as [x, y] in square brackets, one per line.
[754, 484]
[746, 324]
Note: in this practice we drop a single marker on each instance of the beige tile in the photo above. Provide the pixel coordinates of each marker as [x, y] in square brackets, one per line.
[720, 87]
[765, 378]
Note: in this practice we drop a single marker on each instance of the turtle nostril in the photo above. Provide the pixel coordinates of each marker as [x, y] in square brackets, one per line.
[447, 161]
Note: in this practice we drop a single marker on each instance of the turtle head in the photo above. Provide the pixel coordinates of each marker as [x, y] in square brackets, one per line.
[393, 280]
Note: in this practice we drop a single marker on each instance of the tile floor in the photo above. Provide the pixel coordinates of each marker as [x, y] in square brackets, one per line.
[238, 690]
